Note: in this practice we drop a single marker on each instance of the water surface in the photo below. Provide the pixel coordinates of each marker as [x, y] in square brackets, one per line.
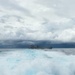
[37, 62]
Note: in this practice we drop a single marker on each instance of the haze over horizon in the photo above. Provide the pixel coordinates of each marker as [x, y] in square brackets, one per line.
[37, 20]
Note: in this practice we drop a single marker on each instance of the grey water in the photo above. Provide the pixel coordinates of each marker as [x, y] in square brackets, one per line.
[65, 50]
[68, 51]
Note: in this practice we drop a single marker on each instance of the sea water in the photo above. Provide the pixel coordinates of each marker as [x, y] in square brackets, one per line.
[37, 62]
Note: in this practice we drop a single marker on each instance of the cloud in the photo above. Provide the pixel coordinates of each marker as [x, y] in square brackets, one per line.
[13, 5]
[37, 20]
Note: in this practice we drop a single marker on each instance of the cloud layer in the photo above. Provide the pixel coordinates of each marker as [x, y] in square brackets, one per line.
[37, 20]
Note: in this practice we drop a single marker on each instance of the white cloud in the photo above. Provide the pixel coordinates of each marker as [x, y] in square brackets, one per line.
[67, 35]
[37, 20]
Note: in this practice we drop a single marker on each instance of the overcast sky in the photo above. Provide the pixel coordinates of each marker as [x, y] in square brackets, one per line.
[37, 20]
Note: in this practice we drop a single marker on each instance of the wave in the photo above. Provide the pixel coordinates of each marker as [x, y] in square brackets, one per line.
[36, 62]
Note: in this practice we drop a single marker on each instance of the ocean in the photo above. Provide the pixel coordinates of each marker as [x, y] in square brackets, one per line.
[37, 61]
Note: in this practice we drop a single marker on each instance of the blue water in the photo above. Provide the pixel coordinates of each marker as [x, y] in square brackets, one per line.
[37, 62]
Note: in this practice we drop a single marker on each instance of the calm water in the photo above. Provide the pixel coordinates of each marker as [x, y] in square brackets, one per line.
[65, 50]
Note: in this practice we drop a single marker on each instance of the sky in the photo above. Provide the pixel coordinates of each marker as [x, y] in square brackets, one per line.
[37, 20]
